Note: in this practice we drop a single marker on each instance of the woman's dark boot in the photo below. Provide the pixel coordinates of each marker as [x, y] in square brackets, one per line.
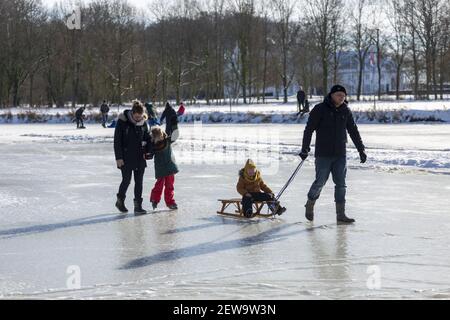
[138, 207]
[120, 204]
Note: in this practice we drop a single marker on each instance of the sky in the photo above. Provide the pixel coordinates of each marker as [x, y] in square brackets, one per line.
[136, 3]
[143, 8]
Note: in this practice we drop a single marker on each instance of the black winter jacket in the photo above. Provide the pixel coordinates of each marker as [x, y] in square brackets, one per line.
[301, 95]
[104, 108]
[170, 115]
[128, 141]
[331, 125]
[79, 113]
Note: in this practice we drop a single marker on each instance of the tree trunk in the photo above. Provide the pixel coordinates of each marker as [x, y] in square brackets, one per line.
[379, 63]
[31, 89]
[324, 74]
[433, 66]
[15, 93]
[397, 82]
[244, 73]
[285, 80]
[360, 75]
[416, 67]
[441, 76]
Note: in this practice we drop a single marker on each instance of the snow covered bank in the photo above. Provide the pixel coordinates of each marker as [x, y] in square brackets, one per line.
[375, 116]
[365, 112]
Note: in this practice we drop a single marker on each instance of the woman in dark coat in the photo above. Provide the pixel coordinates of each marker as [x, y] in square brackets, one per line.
[131, 143]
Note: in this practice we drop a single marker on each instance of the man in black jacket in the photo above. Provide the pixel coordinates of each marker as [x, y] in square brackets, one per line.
[104, 109]
[331, 120]
[79, 116]
[131, 143]
[170, 115]
[301, 96]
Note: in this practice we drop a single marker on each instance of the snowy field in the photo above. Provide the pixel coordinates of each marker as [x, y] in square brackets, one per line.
[58, 220]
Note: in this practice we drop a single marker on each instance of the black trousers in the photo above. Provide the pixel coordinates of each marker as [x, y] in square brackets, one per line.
[301, 105]
[126, 179]
[80, 120]
[247, 202]
[169, 128]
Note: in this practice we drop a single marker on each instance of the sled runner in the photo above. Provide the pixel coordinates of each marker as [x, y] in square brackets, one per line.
[236, 204]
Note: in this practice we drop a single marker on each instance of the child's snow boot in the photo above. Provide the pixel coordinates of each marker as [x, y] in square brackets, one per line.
[340, 214]
[280, 210]
[248, 213]
[276, 208]
[173, 206]
[154, 204]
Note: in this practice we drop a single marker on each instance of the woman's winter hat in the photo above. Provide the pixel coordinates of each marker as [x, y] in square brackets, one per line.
[338, 88]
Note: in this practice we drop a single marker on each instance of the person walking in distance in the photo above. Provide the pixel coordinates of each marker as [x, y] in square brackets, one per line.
[301, 96]
[104, 109]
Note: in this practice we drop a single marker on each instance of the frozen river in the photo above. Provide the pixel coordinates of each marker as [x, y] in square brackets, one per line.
[59, 227]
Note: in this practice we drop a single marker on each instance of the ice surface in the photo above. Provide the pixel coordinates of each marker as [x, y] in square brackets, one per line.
[57, 195]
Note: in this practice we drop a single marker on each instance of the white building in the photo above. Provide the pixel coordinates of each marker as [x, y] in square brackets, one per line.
[348, 73]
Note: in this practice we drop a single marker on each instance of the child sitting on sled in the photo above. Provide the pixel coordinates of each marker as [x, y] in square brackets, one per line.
[165, 168]
[252, 188]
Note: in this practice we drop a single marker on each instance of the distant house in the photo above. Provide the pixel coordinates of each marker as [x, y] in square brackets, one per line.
[348, 73]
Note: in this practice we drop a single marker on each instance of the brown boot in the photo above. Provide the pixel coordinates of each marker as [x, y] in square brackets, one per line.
[340, 214]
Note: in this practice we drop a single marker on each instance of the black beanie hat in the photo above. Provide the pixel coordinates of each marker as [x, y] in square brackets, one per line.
[337, 88]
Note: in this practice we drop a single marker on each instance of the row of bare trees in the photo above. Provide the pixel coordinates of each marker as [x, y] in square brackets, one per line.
[213, 49]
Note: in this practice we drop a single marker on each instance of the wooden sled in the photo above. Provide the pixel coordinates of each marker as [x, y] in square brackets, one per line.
[238, 213]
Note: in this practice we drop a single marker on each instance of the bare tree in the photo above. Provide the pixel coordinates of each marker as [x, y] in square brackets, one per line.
[444, 49]
[339, 42]
[361, 39]
[244, 11]
[424, 21]
[307, 62]
[322, 15]
[397, 42]
[22, 56]
[287, 32]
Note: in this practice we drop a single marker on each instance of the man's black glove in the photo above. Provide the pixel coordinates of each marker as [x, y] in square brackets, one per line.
[303, 154]
[363, 156]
